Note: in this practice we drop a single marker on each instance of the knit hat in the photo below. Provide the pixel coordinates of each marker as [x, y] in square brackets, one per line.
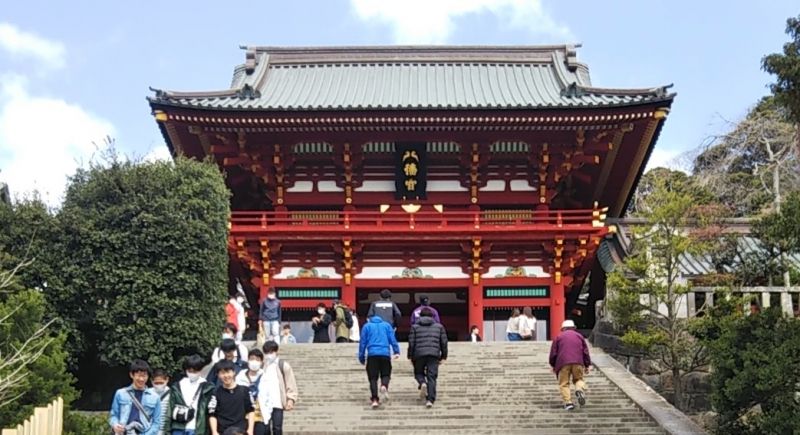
[386, 294]
[568, 324]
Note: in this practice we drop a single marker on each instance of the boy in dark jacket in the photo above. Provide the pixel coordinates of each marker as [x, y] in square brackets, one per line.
[378, 344]
[270, 315]
[386, 309]
[320, 324]
[569, 357]
[427, 347]
[193, 392]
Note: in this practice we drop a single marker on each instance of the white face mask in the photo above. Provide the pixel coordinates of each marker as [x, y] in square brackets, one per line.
[321, 311]
[272, 357]
[193, 377]
[160, 388]
[226, 335]
[254, 365]
[270, 296]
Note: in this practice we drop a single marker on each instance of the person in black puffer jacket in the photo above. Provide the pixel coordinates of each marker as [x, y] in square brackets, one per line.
[427, 347]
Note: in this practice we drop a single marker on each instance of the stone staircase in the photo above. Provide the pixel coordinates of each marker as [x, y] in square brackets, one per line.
[483, 388]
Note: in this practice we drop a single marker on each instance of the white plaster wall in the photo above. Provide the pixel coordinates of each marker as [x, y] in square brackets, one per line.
[521, 186]
[328, 186]
[286, 272]
[388, 272]
[446, 186]
[301, 186]
[376, 186]
[529, 270]
[494, 186]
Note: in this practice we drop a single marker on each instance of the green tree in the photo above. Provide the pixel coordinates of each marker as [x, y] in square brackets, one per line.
[756, 370]
[752, 165]
[786, 67]
[779, 236]
[142, 263]
[671, 179]
[646, 292]
[33, 370]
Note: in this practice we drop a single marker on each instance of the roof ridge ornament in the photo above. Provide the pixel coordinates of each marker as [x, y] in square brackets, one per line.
[250, 60]
[248, 92]
[573, 90]
[160, 93]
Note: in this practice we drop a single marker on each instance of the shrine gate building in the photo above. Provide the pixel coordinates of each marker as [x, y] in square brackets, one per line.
[479, 176]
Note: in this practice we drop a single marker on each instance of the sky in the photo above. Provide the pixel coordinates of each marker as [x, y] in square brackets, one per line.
[73, 73]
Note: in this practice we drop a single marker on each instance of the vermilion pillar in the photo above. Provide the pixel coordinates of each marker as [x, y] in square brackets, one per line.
[475, 301]
[556, 308]
[349, 295]
[258, 283]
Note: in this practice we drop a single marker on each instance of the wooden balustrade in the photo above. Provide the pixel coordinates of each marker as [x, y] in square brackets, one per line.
[47, 420]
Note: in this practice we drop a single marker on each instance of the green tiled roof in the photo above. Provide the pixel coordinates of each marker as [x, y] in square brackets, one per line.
[369, 78]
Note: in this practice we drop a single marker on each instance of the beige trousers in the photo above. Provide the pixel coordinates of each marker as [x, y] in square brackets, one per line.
[575, 371]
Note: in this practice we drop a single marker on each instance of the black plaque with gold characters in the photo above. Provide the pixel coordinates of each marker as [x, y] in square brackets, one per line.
[411, 170]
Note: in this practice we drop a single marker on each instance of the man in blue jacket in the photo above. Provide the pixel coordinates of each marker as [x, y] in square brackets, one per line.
[376, 348]
[136, 409]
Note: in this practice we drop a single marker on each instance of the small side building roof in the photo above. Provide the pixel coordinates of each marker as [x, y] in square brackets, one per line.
[386, 78]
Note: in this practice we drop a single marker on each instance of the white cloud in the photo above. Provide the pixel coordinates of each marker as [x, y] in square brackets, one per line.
[43, 140]
[158, 153]
[664, 158]
[51, 54]
[432, 21]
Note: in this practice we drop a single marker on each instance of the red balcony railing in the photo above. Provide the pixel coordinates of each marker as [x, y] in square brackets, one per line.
[375, 222]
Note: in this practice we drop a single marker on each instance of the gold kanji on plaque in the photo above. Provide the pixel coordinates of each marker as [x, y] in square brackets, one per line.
[411, 184]
[410, 169]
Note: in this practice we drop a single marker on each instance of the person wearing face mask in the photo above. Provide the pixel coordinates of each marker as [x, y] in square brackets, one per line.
[277, 390]
[271, 315]
[234, 313]
[231, 352]
[160, 381]
[251, 378]
[228, 332]
[191, 392]
[320, 324]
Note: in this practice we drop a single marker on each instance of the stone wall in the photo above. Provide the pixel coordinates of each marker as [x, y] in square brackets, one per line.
[696, 386]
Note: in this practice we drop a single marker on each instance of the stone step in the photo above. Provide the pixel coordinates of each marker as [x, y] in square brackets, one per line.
[479, 392]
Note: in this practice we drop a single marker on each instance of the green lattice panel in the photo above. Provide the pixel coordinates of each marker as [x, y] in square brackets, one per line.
[517, 292]
[308, 293]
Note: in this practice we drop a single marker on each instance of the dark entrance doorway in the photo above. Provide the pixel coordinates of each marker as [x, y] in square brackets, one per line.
[450, 302]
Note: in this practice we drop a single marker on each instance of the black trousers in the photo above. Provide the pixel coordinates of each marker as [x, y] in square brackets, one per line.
[275, 425]
[426, 370]
[378, 367]
[342, 340]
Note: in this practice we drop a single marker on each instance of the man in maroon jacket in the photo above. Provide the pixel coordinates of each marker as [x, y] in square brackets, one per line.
[569, 357]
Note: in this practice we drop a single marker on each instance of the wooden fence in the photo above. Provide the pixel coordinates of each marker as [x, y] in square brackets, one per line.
[47, 420]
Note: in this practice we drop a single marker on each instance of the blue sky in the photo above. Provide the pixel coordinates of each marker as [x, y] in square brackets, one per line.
[72, 72]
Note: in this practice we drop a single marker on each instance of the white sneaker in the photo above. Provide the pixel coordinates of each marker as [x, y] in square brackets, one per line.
[384, 393]
[429, 404]
[423, 391]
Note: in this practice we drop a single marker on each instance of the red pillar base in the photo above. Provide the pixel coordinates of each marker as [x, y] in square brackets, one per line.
[557, 308]
[475, 312]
